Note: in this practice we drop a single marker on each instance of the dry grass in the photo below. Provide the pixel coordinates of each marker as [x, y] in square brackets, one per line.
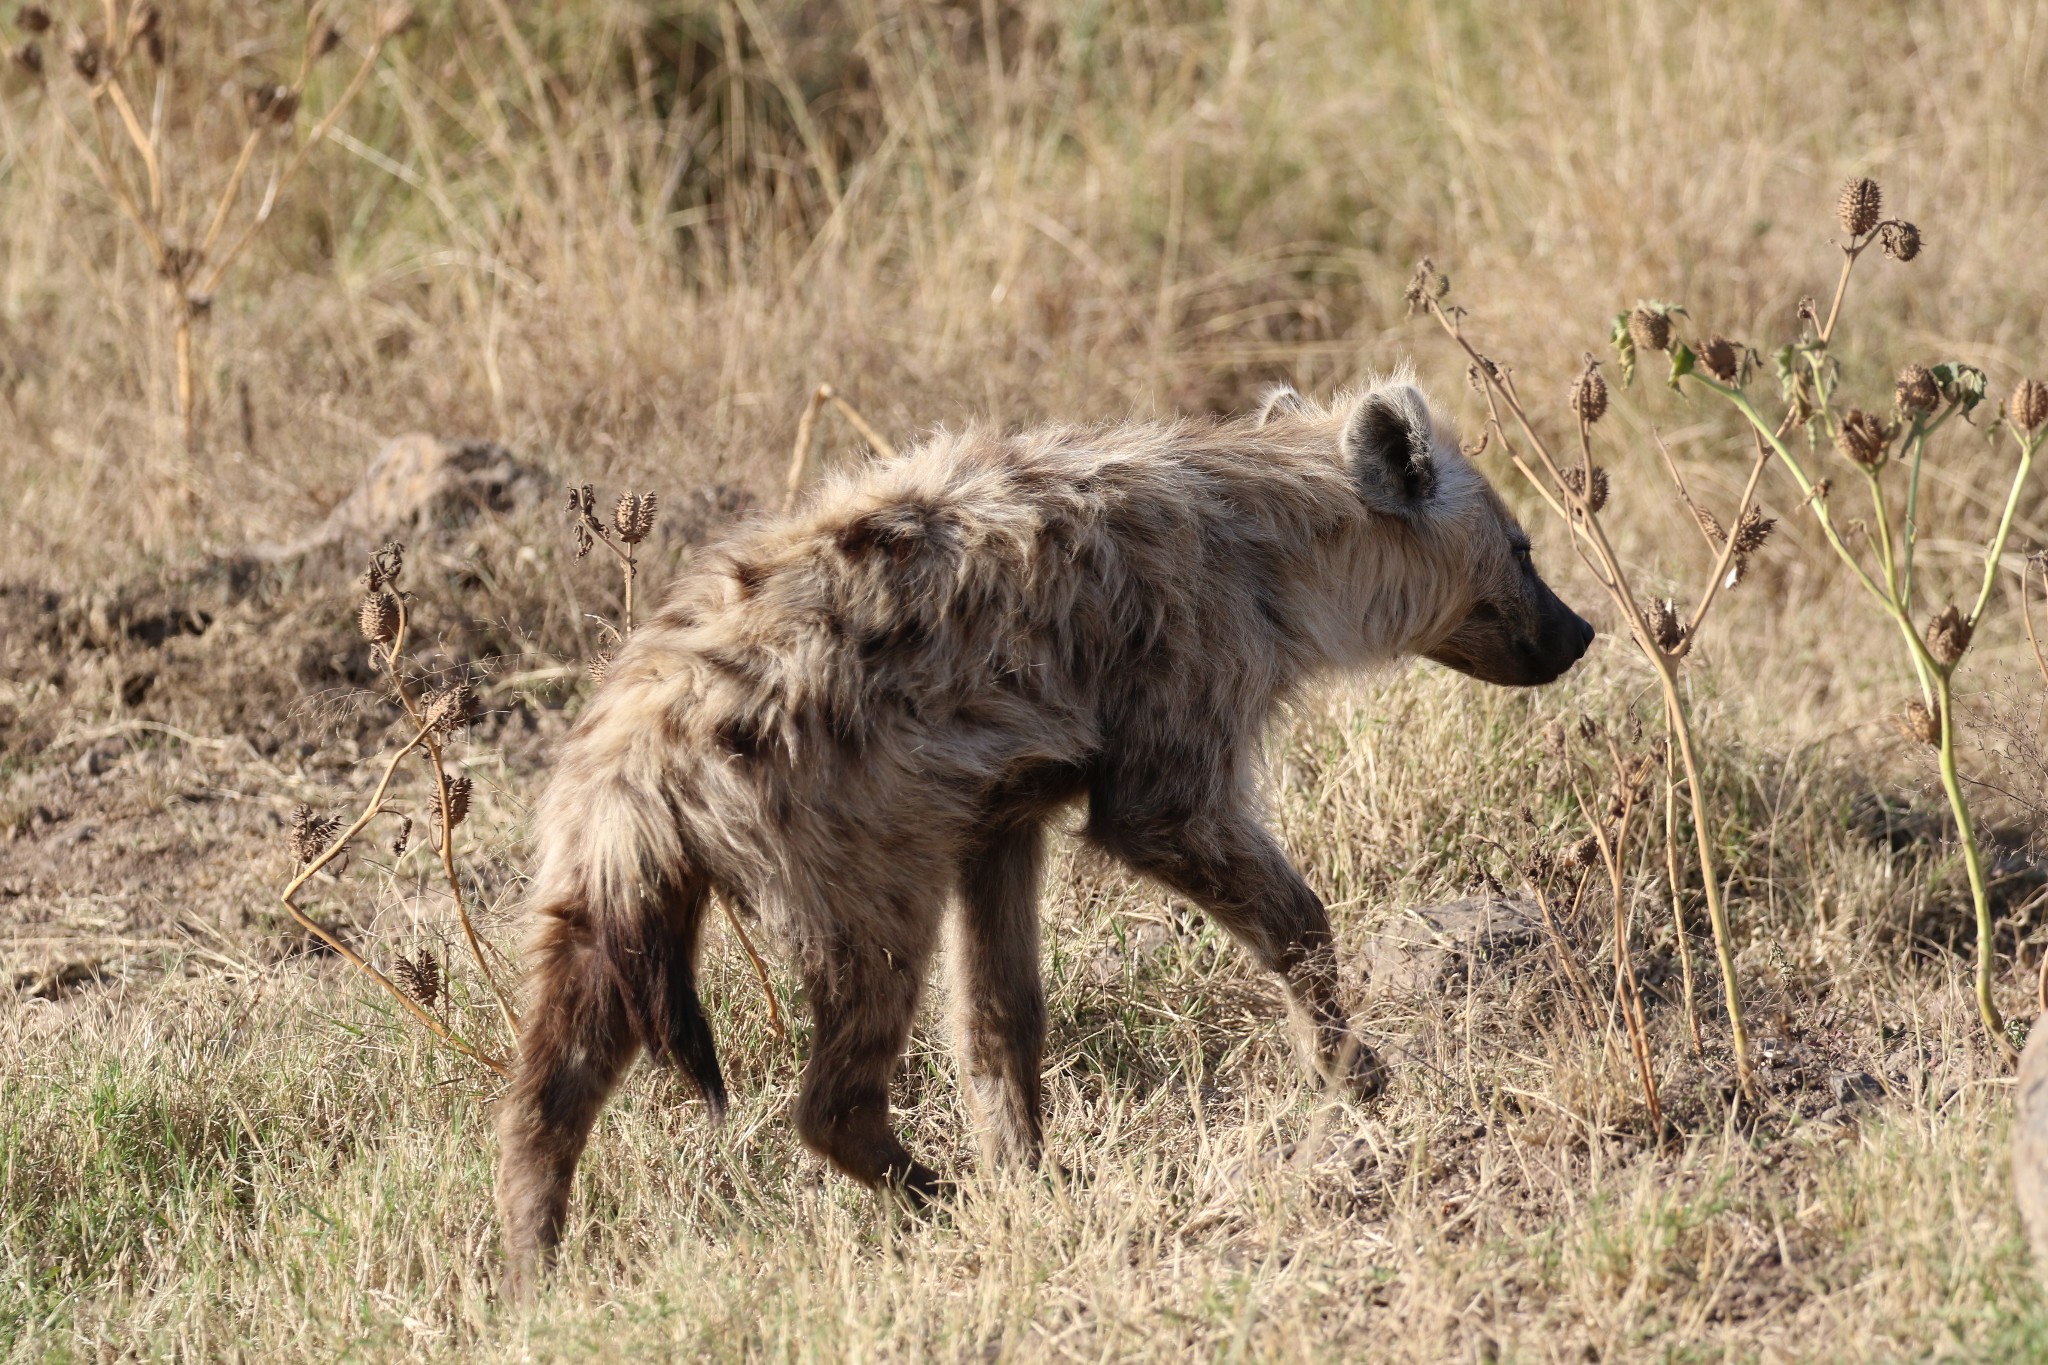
[609, 248]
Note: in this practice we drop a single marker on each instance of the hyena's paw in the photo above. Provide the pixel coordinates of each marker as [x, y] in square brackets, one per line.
[1358, 1071]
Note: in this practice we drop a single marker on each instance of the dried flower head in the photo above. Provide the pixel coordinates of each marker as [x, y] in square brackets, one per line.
[1722, 359]
[1665, 626]
[1809, 310]
[1589, 393]
[1583, 854]
[29, 57]
[377, 618]
[1709, 523]
[1863, 439]
[1918, 725]
[633, 518]
[1753, 530]
[1595, 492]
[420, 977]
[1860, 207]
[1479, 372]
[284, 108]
[311, 834]
[259, 100]
[1916, 390]
[448, 709]
[1425, 286]
[2028, 407]
[326, 40]
[583, 513]
[386, 564]
[1948, 635]
[403, 837]
[460, 789]
[1650, 328]
[32, 19]
[87, 57]
[1901, 241]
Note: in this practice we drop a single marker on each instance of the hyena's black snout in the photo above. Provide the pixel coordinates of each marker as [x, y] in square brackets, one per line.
[1529, 644]
[1565, 643]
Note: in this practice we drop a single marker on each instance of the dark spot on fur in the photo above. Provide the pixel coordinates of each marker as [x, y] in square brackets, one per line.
[750, 576]
[742, 738]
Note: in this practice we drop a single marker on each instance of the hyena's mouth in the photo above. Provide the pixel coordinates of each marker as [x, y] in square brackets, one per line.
[1485, 647]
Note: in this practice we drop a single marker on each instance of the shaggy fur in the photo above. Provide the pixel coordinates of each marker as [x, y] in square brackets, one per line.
[847, 717]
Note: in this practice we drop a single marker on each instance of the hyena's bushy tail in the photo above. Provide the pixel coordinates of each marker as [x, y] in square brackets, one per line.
[618, 906]
[645, 898]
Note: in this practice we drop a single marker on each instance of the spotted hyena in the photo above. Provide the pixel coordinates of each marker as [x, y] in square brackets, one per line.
[845, 718]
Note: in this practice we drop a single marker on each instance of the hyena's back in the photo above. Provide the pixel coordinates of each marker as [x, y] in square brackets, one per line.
[937, 639]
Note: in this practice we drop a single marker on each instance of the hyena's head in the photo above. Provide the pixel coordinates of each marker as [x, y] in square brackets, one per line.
[1486, 611]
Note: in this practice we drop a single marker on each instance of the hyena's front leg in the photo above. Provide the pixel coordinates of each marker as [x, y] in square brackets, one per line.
[998, 995]
[1231, 866]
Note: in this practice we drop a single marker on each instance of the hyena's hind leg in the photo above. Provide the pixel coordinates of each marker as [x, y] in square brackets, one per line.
[1230, 865]
[863, 984]
[999, 997]
[575, 1043]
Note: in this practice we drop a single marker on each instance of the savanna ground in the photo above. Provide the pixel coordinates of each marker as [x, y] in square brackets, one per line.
[607, 240]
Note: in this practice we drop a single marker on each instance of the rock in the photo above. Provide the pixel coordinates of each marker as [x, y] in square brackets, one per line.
[1426, 949]
[419, 480]
[2030, 1143]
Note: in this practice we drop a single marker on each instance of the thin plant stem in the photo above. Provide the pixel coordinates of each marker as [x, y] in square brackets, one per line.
[1692, 1013]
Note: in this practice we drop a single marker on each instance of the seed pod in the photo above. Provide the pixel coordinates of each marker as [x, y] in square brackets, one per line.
[1711, 524]
[403, 837]
[1665, 627]
[1860, 206]
[1916, 390]
[1863, 439]
[459, 790]
[258, 100]
[86, 57]
[633, 518]
[1650, 329]
[1584, 853]
[1479, 373]
[29, 57]
[284, 108]
[1425, 286]
[1901, 241]
[1589, 394]
[311, 834]
[1594, 493]
[2028, 407]
[1948, 635]
[32, 19]
[1918, 725]
[1721, 359]
[599, 664]
[448, 709]
[326, 40]
[377, 618]
[1753, 530]
[420, 977]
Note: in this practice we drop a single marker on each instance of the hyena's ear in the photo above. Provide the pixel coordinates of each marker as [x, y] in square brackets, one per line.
[1387, 443]
[1283, 401]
